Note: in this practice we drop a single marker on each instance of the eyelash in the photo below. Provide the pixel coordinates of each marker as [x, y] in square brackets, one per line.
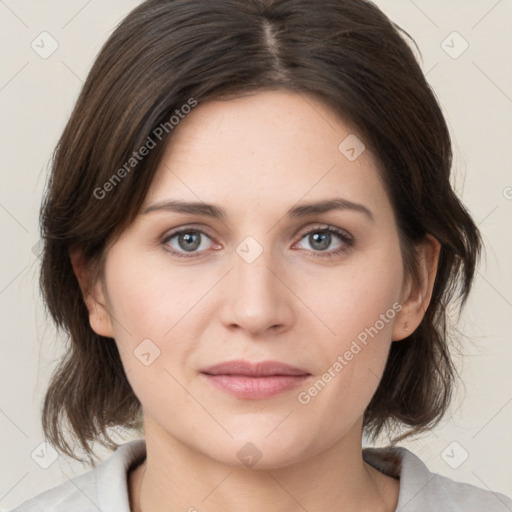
[347, 240]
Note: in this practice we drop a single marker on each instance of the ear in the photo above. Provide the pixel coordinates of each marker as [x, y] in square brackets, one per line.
[94, 296]
[416, 296]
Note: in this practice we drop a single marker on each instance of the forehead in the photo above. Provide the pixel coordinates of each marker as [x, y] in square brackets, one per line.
[264, 149]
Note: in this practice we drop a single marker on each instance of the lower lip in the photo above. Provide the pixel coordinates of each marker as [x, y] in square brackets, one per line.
[255, 388]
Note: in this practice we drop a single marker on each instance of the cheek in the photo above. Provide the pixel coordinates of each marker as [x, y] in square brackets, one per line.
[355, 295]
[147, 305]
[147, 297]
[360, 310]
[157, 310]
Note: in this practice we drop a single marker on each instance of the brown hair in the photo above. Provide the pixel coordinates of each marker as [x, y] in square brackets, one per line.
[166, 53]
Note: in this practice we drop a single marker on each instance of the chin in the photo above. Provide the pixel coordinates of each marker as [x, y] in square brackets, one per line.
[256, 451]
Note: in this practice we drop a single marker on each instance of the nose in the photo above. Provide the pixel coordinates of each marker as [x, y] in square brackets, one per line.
[258, 299]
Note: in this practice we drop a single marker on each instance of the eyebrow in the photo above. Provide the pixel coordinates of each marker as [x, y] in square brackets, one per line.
[217, 212]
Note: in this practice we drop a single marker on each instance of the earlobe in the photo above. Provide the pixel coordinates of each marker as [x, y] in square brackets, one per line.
[99, 318]
[94, 297]
[417, 295]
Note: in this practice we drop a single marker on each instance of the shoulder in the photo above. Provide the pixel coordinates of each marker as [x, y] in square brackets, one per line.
[102, 488]
[422, 491]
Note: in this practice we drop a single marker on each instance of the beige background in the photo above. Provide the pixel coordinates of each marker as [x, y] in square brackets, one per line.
[475, 90]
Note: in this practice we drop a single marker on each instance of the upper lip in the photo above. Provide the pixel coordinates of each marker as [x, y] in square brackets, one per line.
[253, 369]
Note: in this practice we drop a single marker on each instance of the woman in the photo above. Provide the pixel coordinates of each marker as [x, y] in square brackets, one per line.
[251, 239]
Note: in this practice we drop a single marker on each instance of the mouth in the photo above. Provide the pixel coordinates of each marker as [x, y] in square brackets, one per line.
[254, 381]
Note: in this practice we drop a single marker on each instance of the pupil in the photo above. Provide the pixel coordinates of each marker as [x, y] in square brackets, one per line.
[324, 240]
[190, 243]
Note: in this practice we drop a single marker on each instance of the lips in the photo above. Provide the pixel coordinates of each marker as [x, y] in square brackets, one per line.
[255, 381]
[260, 369]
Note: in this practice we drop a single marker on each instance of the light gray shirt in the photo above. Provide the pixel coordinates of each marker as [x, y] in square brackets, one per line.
[105, 487]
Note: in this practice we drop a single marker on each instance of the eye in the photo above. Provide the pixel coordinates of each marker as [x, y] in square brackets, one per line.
[320, 239]
[185, 241]
[190, 242]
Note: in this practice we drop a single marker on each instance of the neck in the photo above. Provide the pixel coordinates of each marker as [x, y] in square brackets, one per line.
[174, 477]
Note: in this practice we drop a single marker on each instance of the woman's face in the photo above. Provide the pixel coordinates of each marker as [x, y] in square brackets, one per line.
[265, 282]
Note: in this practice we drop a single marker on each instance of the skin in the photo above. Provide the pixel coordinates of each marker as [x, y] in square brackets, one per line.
[258, 156]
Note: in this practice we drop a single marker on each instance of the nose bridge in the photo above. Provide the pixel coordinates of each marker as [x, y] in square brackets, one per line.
[258, 298]
[253, 262]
